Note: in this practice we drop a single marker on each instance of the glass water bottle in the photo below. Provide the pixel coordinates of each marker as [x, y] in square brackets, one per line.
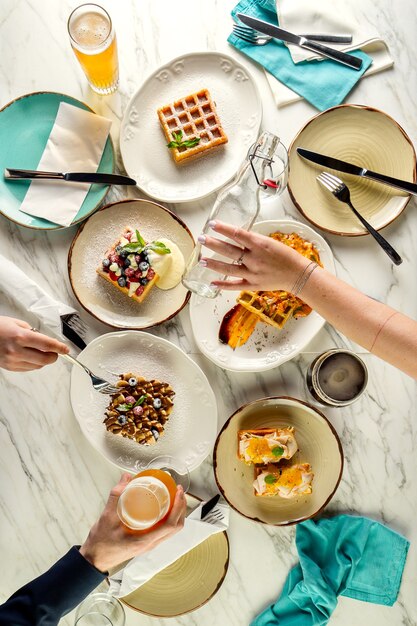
[238, 203]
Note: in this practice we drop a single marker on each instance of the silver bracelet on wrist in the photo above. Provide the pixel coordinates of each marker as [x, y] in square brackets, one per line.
[303, 278]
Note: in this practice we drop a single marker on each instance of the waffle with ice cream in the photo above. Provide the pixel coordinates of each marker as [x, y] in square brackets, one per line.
[191, 126]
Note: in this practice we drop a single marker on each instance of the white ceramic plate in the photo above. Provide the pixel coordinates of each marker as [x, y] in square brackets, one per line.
[143, 144]
[267, 347]
[190, 431]
[95, 236]
[363, 136]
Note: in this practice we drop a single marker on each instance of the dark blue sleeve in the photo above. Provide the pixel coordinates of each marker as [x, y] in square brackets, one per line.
[43, 601]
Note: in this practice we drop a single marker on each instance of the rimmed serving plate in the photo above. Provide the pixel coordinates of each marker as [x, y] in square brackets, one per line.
[95, 236]
[143, 144]
[25, 126]
[267, 347]
[189, 433]
[189, 582]
[318, 444]
[363, 136]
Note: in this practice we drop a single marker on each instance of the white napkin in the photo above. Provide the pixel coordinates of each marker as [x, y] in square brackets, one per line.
[32, 298]
[324, 16]
[142, 568]
[327, 16]
[76, 144]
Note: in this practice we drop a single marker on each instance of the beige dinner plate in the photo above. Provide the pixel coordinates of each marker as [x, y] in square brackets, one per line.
[363, 136]
[189, 582]
[318, 444]
[89, 245]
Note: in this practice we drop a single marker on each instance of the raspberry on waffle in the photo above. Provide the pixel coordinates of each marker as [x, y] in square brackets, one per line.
[132, 274]
[195, 116]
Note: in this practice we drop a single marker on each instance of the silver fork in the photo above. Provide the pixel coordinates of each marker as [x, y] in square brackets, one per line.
[99, 384]
[340, 191]
[246, 33]
[214, 516]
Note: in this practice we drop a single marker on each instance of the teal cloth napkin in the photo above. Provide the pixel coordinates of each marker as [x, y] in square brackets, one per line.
[344, 555]
[323, 83]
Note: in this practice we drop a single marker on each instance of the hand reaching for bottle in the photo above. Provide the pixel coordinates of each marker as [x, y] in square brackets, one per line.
[260, 263]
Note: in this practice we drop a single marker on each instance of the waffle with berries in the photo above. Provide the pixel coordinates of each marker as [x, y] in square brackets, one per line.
[130, 273]
[194, 117]
[140, 410]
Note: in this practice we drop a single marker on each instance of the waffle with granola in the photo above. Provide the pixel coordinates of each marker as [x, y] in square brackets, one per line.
[141, 408]
[191, 126]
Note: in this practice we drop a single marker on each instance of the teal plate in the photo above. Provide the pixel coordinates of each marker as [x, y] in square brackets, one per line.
[25, 125]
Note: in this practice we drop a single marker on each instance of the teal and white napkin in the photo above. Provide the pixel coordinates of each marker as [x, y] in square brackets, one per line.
[344, 555]
[324, 83]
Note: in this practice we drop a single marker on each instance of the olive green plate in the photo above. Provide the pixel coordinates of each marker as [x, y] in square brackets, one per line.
[25, 125]
[189, 582]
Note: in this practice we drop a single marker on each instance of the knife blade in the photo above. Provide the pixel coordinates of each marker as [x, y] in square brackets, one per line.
[208, 506]
[356, 170]
[302, 42]
[76, 177]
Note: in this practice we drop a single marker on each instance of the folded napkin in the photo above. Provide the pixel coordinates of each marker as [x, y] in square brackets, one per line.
[350, 556]
[323, 83]
[34, 300]
[76, 144]
[142, 568]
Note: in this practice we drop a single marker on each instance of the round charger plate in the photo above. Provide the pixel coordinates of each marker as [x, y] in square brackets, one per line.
[95, 236]
[318, 444]
[143, 144]
[189, 582]
[189, 432]
[25, 126]
[267, 347]
[363, 136]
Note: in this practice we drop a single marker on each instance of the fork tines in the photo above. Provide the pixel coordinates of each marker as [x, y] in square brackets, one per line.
[332, 183]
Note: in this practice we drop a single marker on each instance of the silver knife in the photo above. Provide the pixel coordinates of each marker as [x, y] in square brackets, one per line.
[356, 170]
[302, 42]
[76, 177]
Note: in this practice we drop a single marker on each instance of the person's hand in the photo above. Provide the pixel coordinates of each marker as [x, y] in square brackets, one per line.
[109, 542]
[260, 263]
[22, 350]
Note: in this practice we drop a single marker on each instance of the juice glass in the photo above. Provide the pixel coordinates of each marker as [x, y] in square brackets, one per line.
[94, 43]
[148, 498]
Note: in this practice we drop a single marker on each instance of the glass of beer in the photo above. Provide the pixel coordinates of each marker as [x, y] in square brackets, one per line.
[148, 499]
[94, 43]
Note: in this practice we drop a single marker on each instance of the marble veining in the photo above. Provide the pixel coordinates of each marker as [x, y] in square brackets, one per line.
[53, 483]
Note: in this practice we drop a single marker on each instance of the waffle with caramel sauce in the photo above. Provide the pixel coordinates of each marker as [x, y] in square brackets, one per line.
[140, 409]
[195, 116]
[275, 308]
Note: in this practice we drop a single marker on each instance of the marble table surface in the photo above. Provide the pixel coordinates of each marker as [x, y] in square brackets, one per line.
[53, 483]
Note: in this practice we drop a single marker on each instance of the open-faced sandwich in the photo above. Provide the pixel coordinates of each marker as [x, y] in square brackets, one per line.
[134, 266]
[283, 480]
[141, 408]
[191, 126]
[266, 445]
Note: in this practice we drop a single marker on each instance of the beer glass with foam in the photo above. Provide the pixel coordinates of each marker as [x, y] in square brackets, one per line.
[94, 43]
[148, 498]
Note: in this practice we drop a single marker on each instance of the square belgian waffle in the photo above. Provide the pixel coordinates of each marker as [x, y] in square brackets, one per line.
[195, 115]
[272, 307]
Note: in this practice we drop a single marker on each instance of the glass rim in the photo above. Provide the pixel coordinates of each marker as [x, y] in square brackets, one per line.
[120, 504]
[90, 4]
[315, 371]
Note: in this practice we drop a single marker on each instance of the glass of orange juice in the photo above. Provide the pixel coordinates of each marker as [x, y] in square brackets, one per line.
[94, 43]
[148, 498]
